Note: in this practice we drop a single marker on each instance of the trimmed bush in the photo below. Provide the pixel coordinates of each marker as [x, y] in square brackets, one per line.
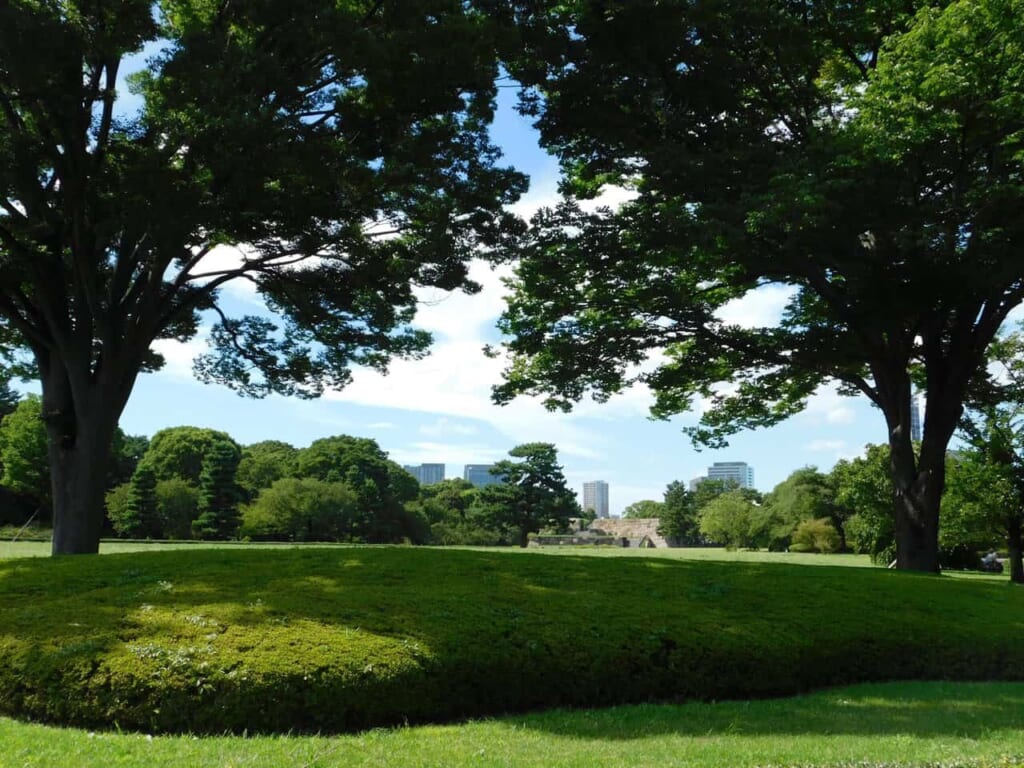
[815, 536]
[302, 510]
[331, 639]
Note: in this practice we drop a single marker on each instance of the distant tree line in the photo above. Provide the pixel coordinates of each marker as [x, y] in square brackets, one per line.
[849, 509]
[195, 483]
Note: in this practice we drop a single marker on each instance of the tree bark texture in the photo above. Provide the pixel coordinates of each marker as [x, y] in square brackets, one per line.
[81, 410]
[1015, 550]
[919, 476]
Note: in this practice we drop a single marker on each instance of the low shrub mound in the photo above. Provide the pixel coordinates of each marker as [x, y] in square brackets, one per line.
[341, 639]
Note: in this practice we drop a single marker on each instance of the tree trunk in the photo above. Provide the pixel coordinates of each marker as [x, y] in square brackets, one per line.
[1016, 551]
[80, 424]
[918, 481]
[917, 533]
[78, 476]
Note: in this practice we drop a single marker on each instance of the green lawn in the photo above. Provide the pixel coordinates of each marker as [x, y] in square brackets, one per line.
[42, 549]
[905, 724]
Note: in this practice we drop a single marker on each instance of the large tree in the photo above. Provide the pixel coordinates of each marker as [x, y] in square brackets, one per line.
[678, 521]
[532, 493]
[381, 486]
[343, 146]
[865, 159]
[987, 495]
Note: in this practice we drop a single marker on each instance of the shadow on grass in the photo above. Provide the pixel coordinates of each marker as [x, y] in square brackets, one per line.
[917, 709]
[396, 633]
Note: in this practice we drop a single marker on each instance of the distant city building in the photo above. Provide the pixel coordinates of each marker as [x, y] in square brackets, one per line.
[915, 419]
[427, 474]
[739, 471]
[695, 483]
[595, 497]
[480, 475]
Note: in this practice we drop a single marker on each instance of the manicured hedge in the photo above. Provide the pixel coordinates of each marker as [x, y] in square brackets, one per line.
[341, 639]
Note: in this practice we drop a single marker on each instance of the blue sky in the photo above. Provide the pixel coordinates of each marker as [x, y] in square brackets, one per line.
[439, 410]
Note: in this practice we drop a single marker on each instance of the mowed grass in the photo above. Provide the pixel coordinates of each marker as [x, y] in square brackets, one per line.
[10, 549]
[948, 724]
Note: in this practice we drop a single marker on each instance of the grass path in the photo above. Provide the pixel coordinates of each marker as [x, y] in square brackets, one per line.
[906, 724]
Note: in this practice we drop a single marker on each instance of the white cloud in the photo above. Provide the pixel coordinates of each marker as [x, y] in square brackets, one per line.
[544, 194]
[827, 406]
[180, 354]
[453, 455]
[455, 315]
[761, 308]
[224, 258]
[833, 450]
[445, 427]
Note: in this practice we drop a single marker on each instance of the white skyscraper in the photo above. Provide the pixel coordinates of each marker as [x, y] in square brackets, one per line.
[915, 419]
[595, 497]
[739, 471]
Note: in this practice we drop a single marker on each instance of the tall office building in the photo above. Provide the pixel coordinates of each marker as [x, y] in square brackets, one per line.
[595, 497]
[739, 471]
[427, 474]
[480, 475]
[915, 419]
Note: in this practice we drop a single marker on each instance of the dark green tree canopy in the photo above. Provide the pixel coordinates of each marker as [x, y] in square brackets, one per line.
[342, 146]
[532, 493]
[381, 486]
[23, 451]
[645, 508]
[678, 521]
[180, 451]
[865, 157]
[263, 464]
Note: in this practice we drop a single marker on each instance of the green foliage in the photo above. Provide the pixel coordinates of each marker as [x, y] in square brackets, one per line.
[532, 495]
[322, 640]
[375, 175]
[9, 398]
[985, 498]
[710, 489]
[818, 535]
[679, 522]
[126, 452]
[448, 509]
[138, 518]
[645, 508]
[864, 161]
[219, 496]
[181, 451]
[24, 452]
[116, 502]
[264, 463]
[864, 492]
[177, 505]
[805, 495]
[728, 519]
[302, 510]
[382, 487]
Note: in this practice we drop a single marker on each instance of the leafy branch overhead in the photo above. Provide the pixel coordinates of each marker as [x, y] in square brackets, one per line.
[858, 158]
[349, 158]
[341, 147]
[866, 159]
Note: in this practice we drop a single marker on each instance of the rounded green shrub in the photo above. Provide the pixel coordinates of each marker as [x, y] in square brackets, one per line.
[331, 639]
[815, 536]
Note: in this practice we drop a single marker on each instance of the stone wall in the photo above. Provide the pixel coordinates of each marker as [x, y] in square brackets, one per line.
[632, 529]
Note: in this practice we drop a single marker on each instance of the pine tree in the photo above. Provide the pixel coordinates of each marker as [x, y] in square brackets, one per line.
[140, 517]
[218, 493]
